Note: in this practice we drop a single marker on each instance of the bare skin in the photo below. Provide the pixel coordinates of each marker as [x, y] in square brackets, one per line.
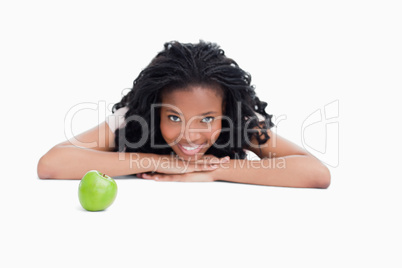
[282, 162]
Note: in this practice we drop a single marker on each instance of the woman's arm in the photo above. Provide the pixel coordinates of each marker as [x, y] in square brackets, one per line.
[288, 171]
[93, 150]
[282, 164]
[71, 162]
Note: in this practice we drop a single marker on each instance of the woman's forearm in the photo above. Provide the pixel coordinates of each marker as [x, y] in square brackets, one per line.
[71, 162]
[289, 171]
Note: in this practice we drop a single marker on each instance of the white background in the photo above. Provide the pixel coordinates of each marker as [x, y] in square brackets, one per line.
[302, 55]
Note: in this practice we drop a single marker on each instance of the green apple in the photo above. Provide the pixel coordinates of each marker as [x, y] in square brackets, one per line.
[96, 191]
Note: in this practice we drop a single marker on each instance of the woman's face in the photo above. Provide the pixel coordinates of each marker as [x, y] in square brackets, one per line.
[191, 120]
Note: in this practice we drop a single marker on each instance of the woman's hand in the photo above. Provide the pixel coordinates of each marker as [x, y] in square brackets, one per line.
[169, 165]
[203, 176]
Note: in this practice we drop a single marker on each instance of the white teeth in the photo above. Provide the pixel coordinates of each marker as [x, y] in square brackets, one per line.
[190, 148]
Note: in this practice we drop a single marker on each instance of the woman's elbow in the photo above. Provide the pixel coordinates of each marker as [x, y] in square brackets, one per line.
[322, 177]
[44, 168]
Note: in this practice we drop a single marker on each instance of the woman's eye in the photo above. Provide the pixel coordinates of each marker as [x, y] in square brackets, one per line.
[210, 119]
[174, 118]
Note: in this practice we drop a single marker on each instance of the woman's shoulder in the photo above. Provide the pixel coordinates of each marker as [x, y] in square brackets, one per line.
[259, 116]
[117, 119]
[121, 111]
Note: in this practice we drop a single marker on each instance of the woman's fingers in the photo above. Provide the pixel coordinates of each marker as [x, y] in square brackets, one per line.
[225, 159]
[160, 176]
[209, 158]
[216, 160]
[204, 168]
[213, 160]
[206, 163]
[207, 166]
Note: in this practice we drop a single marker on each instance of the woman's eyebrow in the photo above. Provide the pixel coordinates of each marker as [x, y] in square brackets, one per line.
[207, 113]
[173, 111]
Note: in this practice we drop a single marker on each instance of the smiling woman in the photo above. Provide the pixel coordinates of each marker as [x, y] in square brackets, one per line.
[196, 106]
[200, 130]
[196, 78]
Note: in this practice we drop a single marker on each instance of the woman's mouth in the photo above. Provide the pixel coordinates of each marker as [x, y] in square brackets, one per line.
[191, 150]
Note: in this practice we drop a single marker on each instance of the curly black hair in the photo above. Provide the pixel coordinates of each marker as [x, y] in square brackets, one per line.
[178, 66]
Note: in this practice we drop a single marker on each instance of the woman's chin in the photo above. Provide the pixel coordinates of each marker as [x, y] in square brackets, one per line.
[192, 157]
[187, 157]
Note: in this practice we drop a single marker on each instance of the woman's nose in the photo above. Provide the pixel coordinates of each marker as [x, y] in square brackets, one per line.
[192, 135]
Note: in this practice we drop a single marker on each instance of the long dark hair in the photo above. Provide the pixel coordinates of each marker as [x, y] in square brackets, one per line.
[180, 65]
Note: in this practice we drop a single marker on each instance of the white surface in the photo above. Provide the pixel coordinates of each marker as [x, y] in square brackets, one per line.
[303, 56]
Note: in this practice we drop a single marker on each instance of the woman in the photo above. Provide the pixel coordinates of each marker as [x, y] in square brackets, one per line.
[191, 115]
